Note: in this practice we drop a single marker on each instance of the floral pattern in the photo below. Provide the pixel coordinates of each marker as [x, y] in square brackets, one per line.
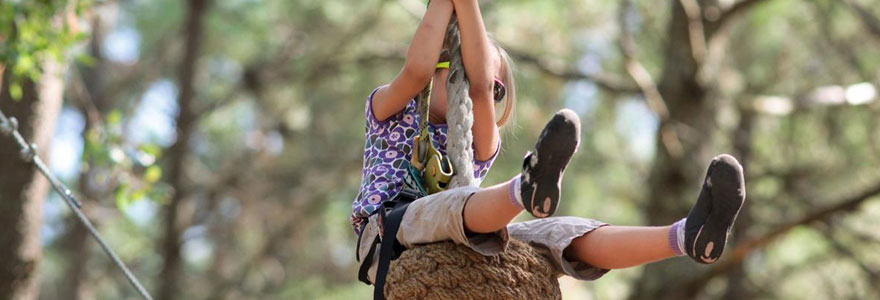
[387, 152]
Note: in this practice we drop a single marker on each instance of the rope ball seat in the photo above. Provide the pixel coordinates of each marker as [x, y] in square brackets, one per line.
[446, 270]
[449, 271]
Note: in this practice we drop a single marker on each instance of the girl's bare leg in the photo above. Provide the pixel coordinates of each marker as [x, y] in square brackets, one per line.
[702, 235]
[490, 209]
[618, 247]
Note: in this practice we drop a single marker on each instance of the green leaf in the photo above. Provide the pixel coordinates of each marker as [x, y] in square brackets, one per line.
[153, 174]
[24, 64]
[15, 91]
[150, 149]
[122, 199]
[85, 60]
[114, 117]
[137, 195]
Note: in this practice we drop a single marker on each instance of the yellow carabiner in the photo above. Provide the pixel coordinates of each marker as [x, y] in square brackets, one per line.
[438, 172]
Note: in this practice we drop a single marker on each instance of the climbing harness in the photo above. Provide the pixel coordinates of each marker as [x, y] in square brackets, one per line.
[390, 216]
[427, 163]
[9, 126]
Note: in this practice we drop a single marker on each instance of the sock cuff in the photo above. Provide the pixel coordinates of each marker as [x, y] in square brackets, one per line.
[513, 192]
[676, 237]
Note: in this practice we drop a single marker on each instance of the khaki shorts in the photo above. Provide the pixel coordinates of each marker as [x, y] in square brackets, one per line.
[438, 217]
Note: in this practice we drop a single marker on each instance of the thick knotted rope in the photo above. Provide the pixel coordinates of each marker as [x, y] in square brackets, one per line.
[450, 271]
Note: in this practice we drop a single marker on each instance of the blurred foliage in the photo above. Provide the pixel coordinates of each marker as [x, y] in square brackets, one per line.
[33, 31]
[275, 159]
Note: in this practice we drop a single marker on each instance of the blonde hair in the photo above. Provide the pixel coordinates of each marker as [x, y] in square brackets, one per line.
[509, 84]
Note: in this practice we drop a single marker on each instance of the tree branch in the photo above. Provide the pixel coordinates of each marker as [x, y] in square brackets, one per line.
[870, 21]
[177, 153]
[839, 247]
[739, 8]
[636, 70]
[696, 32]
[646, 83]
[606, 82]
[847, 54]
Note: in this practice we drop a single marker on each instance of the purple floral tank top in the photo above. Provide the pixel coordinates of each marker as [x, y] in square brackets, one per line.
[387, 153]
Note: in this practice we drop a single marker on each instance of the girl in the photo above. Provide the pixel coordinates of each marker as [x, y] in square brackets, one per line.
[479, 217]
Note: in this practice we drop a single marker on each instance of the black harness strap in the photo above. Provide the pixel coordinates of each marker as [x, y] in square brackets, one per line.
[391, 223]
[390, 216]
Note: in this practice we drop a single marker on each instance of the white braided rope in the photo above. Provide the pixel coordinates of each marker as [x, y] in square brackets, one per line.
[459, 115]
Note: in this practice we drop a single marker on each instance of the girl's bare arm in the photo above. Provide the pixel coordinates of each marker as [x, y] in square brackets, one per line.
[481, 62]
[421, 59]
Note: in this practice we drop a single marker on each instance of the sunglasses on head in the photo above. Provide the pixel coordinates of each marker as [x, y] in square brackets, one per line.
[498, 89]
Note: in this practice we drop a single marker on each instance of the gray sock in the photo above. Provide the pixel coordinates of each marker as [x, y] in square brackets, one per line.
[514, 194]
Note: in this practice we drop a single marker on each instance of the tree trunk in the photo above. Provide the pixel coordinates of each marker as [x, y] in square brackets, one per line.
[22, 187]
[75, 245]
[674, 180]
[178, 152]
[688, 85]
[736, 278]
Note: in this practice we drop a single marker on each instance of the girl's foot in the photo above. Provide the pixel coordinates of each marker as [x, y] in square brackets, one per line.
[542, 169]
[712, 217]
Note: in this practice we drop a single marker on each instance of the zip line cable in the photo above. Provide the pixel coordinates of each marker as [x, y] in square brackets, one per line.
[9, 126]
